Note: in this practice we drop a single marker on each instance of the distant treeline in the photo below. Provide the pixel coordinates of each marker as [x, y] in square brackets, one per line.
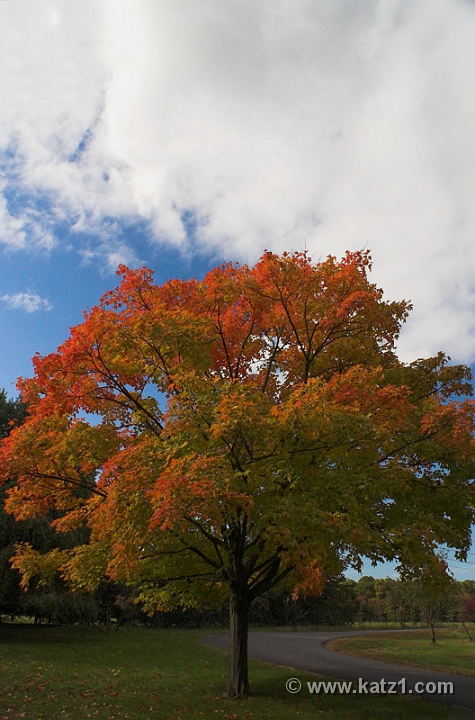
[343, 602]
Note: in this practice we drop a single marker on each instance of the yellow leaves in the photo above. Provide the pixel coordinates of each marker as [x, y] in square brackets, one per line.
[76, 517]
[85, 566]
[84, 446]
[32, 564]
[241, 411]
[24, 501]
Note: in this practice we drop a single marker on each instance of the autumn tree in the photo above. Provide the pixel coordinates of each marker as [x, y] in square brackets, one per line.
[252, 428]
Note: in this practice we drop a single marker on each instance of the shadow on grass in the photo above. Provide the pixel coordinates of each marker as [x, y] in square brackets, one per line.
[18, 633]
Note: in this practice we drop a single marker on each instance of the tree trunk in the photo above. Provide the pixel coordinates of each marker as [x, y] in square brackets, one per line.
[238, 678]
[466, 630]
[293, 612]
[430, 620]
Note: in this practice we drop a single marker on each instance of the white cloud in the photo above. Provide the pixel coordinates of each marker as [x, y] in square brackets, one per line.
[29, 301]
[279, 124]
[109, 254]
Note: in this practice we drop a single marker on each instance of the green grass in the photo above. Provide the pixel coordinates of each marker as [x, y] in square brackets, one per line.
[141, 674]
[452, 652]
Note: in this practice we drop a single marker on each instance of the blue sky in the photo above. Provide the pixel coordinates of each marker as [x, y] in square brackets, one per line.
[181, 134]
[44, 293]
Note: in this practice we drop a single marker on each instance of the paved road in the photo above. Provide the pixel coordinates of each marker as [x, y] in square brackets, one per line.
[307, 651]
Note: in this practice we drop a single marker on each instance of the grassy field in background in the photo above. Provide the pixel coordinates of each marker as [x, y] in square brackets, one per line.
[143, 674]
[452, 652]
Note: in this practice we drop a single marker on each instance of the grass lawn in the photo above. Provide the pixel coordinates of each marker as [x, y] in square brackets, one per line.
[452, 652]
[141, 674]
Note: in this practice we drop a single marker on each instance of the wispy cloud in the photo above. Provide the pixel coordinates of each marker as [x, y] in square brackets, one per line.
[110, 254]
[29, 301]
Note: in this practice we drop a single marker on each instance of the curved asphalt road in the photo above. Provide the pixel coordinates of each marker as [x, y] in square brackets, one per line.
[307, 651]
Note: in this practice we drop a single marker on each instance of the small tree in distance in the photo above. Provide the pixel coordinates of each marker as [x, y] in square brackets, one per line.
[251, 429]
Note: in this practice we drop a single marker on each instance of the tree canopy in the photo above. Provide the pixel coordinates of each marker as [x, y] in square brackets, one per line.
[256, 427]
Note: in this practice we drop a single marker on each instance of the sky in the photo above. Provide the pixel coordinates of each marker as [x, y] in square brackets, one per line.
[179, 135]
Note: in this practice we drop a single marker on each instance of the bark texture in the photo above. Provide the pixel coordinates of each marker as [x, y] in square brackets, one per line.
[238, 678]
